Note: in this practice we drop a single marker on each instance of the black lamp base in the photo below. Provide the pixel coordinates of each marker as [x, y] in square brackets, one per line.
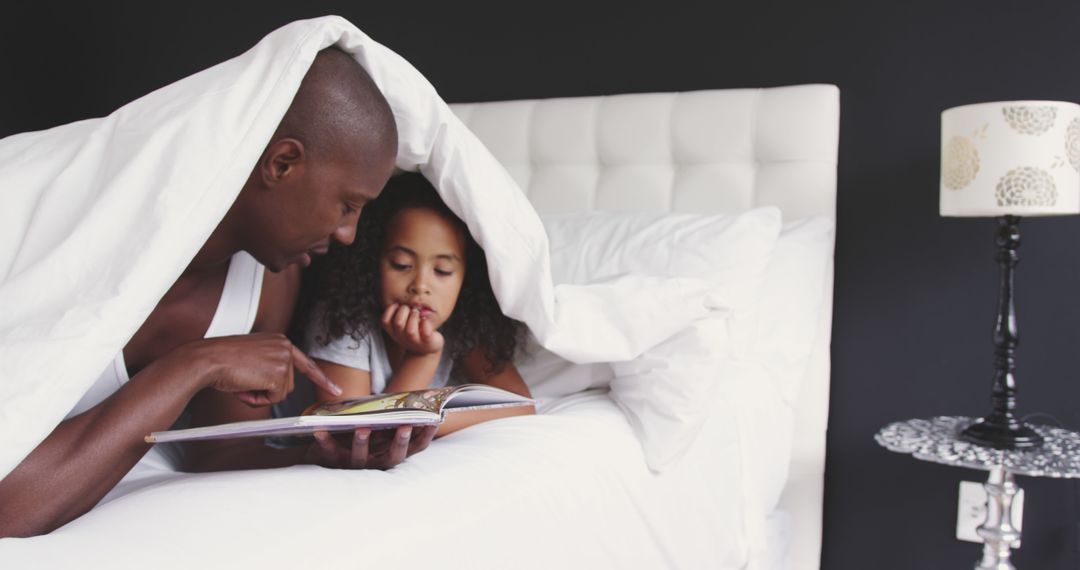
[1000, 429]
[1000, 435]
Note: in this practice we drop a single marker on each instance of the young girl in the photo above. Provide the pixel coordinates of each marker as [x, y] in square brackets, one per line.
[409, 306]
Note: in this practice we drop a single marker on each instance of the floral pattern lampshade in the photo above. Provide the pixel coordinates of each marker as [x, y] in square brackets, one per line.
[1017, 158]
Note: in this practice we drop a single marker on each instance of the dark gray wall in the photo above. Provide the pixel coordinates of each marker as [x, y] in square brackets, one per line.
[915, 293]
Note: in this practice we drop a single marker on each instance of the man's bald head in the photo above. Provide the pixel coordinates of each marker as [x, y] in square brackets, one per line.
[332, 153]
[339, 114]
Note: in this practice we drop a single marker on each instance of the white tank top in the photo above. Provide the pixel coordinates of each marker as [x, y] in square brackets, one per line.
[235, 314]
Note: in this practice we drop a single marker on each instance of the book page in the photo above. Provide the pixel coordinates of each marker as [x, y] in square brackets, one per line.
[479, 396]
[429, 400]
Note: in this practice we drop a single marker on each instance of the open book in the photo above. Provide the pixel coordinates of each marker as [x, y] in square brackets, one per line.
[379, 411]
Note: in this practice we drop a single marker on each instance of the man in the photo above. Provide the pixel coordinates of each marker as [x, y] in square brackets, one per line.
[333, 152]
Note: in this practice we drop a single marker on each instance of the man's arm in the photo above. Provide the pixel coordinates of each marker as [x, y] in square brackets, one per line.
[85, 456]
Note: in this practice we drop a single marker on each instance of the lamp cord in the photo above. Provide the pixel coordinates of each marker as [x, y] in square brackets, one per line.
[1056, 421]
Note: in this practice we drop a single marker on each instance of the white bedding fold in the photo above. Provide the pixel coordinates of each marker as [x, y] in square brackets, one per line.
[102, 215]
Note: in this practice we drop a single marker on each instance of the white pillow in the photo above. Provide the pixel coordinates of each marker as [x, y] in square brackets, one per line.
[763, 382]
[668, 391]
[730, 251]
[789, 317]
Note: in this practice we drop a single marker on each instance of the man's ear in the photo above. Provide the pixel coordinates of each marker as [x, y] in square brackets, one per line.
[283, 159]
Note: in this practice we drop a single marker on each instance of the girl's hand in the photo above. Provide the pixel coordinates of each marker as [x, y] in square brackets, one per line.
[411, 332]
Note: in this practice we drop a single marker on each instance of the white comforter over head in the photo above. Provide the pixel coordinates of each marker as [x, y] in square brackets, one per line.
[101, 216]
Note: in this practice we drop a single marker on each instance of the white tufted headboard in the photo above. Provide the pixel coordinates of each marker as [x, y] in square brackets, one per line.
[704, 152]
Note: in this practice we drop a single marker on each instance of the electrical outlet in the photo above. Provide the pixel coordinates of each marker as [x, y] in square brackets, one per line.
[972, 512]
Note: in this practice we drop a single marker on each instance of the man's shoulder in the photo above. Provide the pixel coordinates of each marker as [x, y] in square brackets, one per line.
[277, 301]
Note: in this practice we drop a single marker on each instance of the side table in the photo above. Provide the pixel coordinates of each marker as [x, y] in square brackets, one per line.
[937, 440]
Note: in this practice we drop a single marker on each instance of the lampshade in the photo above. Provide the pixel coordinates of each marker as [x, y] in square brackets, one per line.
[1019, 158]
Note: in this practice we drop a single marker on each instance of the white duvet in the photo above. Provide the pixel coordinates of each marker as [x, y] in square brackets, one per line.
[102, 215]
[565, 489]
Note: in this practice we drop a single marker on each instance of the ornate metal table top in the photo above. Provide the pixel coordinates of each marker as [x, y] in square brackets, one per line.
[936, 439]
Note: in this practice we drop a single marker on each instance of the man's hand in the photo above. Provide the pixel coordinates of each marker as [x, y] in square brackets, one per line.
[383, 449]
[411, 332]
[258, 368]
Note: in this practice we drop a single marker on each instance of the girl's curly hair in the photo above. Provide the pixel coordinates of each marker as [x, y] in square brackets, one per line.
[341, 291]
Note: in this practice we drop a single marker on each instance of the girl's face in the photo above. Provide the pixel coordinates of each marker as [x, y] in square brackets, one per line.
[423, 263]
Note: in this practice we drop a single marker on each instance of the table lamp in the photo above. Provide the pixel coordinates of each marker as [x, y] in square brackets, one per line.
[1009, 159]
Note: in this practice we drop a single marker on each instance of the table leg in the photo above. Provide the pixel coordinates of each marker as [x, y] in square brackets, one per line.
[997, 530]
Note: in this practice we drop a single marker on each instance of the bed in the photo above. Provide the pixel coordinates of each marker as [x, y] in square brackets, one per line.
[703, 152]
[569, 487]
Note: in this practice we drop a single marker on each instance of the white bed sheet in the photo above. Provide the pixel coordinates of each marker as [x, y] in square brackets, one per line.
[568, 488]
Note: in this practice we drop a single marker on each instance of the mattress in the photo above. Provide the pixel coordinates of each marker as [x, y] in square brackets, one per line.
[567, 488]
